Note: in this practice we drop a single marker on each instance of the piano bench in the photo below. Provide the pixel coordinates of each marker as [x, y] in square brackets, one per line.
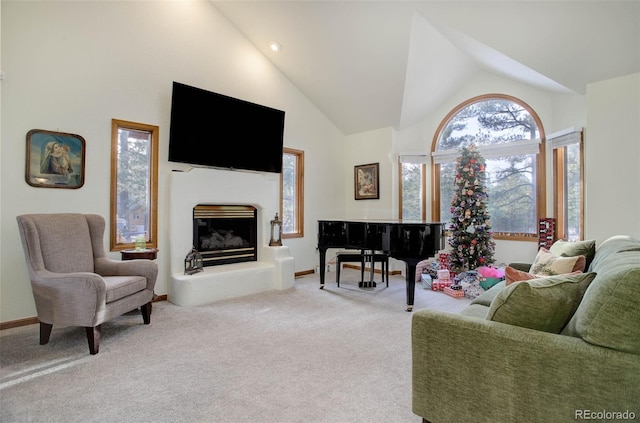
[363, 258]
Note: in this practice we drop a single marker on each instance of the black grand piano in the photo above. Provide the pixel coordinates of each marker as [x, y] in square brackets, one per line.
[409, 241]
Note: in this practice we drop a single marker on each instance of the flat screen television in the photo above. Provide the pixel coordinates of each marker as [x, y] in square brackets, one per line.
[214, 130]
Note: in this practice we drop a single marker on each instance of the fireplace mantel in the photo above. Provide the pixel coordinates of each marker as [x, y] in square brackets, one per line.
[274, 268]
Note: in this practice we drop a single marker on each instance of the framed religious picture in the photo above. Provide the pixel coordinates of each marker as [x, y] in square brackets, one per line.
[54, 159]
[367, 183]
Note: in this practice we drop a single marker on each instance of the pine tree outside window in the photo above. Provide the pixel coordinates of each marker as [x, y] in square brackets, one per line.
[134, 184]
[507, 133]
[412, 187]
[292, 193]
[568, 177]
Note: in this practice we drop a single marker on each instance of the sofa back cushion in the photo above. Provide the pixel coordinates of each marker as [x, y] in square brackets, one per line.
[609, 314]
[544, 304]
[571, 249]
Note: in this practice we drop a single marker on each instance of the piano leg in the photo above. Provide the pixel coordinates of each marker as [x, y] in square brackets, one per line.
[411, 281]
[323, 259]
[367, 257]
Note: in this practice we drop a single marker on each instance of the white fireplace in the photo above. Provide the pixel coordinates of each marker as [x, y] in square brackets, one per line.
[274, 268]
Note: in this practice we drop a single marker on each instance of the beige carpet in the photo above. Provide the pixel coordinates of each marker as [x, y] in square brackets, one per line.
[299, 355]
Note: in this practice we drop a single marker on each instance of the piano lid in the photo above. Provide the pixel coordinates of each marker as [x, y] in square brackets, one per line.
[389, 221]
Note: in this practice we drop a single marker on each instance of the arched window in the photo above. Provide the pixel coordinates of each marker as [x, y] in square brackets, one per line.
[508, 135]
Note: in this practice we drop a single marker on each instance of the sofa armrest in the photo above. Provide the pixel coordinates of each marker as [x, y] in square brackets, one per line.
[471, 369]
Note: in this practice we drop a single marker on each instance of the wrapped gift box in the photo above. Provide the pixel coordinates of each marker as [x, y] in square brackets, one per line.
[427, 282]
[445, 260]
[441, 284]
[455, 293]
[444, 274]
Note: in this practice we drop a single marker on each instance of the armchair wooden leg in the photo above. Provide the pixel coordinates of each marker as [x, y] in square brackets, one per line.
[93, 336]
[146, 313]
[45, 332]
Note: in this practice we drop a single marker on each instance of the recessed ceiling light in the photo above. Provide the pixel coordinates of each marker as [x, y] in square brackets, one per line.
[275, 46]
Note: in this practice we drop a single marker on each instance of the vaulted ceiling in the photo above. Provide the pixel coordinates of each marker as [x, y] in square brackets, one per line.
[374, 64]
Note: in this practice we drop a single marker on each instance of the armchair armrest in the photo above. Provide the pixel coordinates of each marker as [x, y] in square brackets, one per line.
[80, 294]
[108, 267]
[471, 369]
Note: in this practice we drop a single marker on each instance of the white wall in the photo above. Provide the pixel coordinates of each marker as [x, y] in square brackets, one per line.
[365, 148]
[74, 66]
[612, 150]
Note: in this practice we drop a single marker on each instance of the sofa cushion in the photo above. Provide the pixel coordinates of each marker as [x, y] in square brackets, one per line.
[544, 304]
[487, 296]
[548, 264]
[611, 247]
[513, 275]
[609, 314]
[571, 249]
[476, 310]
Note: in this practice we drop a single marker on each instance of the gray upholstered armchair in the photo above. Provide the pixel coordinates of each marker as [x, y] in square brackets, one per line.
[73, 282]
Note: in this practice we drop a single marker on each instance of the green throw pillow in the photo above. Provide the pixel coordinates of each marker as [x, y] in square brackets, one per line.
[572, 249]
[544, 304]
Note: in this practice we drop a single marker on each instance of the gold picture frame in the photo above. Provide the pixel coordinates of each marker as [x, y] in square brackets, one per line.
[367, 181]
[54, 159]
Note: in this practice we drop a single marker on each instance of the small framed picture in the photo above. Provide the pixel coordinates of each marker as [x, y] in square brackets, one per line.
[367, 183]
[54, 159]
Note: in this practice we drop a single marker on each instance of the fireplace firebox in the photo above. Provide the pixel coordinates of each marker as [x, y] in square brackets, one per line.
[225, 234]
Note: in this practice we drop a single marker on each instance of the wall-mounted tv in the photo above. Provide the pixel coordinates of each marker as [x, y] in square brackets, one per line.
[215, 130]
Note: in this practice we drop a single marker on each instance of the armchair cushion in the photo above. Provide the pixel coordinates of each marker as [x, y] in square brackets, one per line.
[122, 286]
[544, 304]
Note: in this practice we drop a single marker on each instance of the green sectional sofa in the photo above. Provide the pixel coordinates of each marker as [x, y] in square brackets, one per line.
[475, 367]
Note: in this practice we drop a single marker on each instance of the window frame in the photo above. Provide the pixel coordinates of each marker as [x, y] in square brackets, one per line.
[116, 125]
[540, 167]
[423, 190]
[560, 189]
[299, 200]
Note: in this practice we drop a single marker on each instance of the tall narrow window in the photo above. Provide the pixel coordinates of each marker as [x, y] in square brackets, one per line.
[508, 134]
[134, 184]
[412, 187]
[292, 193]
[568, 183]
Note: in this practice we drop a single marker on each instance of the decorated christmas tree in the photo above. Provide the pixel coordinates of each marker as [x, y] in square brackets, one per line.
[470, 224]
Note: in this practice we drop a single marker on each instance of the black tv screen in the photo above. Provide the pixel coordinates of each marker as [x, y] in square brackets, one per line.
[215, 130]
